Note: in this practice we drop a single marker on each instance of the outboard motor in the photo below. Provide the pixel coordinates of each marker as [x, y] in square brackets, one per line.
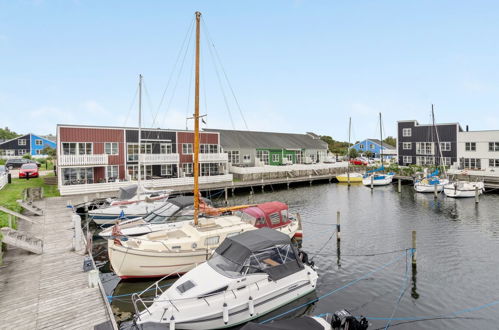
[343, 319]
[304, 258]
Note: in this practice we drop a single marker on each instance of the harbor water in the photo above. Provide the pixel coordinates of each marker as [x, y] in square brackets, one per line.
[457, 256]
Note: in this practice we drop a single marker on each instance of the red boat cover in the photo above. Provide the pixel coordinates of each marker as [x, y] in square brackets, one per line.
[265, 209]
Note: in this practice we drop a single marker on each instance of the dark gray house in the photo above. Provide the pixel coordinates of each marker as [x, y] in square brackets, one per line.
[250, 148]
[417, 143]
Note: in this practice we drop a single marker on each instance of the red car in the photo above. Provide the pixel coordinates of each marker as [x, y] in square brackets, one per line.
[28, 171]
[358, 161]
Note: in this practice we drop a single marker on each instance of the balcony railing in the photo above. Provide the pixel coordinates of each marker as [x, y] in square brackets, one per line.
[74, 160]
[220, 157]
[159, 158]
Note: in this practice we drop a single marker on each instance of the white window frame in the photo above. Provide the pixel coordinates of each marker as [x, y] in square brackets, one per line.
[233, 156]
[165, 148]
[21, 142]
[425, 148]
[406, 132]
[407, 159]
[371, 146]
[446, 161]
[275, 158]
[38, 142]
[494, 145]
[493, 162]
[470, 146]
[110, 169]
[38, 151]
[445, 146]
[407, 145]
[112, 147]
[187, 148]
[187, 168]
[263, 155]
[166, 169]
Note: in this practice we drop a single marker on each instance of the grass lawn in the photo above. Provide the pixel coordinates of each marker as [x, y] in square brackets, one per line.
[14, 191]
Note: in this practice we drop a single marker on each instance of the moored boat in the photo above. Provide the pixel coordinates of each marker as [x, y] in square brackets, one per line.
[249, 275]
[463, 189]
[349, 177]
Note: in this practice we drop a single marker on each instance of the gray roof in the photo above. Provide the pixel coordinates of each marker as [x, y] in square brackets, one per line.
[378, 142]
[267, 140]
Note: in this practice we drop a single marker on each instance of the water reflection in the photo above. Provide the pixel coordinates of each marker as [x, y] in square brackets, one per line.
[457, 252]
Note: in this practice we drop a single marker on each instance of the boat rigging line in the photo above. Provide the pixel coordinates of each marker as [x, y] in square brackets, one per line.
[131, 105]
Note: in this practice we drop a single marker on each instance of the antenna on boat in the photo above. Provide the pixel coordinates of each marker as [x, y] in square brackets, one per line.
[438, 142]
[196, 122]
[140, 132]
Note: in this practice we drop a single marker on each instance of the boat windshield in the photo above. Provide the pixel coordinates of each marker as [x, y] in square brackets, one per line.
[257, 262]
[162, 214]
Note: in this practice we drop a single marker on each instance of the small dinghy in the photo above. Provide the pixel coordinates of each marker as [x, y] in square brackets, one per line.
[248, 275]
[461, 189]
[341, 320]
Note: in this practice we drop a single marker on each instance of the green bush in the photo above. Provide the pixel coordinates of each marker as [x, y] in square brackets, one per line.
[27, 156]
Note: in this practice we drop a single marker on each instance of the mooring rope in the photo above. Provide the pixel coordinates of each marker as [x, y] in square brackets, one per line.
[340, 288]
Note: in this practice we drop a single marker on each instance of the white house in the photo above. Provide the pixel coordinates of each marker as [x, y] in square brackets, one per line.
[478, 150]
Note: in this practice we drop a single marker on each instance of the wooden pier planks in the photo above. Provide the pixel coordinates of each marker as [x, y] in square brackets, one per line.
[49, 291]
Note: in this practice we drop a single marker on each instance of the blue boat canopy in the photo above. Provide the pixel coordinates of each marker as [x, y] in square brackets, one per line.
[382, 168]
[433, 174]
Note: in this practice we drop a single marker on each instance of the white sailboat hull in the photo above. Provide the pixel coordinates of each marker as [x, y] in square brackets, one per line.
[378, 181]
[208, 313]
[463, 189]
[429, 188]
[108, 215]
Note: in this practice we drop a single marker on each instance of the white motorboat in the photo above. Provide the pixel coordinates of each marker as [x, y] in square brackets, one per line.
[460, 189]
[163, 252]
[172, 213]
[249, 275]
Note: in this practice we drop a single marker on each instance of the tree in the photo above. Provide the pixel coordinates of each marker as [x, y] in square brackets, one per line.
[369, 154]
[7, 134]
[354, 153]
[335, 147]
[48, 151]
[391, 141]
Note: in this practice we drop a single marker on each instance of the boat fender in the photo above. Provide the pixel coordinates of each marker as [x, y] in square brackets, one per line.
[226, 313]
[251, 306]
[172, 323]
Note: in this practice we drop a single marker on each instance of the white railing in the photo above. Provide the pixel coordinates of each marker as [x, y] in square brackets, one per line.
[78, 189]
[3, 180]
[219, 157]
[159, 158]
[70, 160]
[287, 168]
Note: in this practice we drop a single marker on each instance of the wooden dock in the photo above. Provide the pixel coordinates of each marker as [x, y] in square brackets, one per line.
[50, 290]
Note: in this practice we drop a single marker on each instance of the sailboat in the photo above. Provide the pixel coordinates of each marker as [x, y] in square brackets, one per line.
[432, 181]
[176, 250]
[349, 177]
[140, 201]
[372, 177]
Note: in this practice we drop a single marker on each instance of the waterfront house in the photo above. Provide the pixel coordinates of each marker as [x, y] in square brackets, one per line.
[417, 143]
[478, 150]
[375, 146]
[28, 144]
[252, 148]
[90, 155]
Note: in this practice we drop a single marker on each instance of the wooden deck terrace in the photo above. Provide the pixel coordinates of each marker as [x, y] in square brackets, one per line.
[50, 290]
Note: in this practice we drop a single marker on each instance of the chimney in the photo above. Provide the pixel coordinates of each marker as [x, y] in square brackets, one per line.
[467, 128]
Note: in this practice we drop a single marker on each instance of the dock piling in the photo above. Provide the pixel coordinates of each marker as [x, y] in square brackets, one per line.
[399, 185]
[372, 182]
[414, 248]
[477, 199]
[226, 195]
[338, 227]
[435, 191]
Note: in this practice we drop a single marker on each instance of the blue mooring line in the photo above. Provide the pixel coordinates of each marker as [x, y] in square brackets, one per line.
[340, 288]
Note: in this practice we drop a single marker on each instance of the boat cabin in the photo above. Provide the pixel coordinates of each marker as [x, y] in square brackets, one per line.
[270, 214]
[175, 209]
[258, 251]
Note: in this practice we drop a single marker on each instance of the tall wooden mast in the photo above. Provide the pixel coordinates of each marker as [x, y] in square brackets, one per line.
[196, 123]
[381, 136]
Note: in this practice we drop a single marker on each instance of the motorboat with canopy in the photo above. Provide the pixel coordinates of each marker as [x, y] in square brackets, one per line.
[247, 276]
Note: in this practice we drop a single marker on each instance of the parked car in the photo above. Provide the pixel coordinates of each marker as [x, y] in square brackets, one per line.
[29, 170]
[359, 161]
[18, 162]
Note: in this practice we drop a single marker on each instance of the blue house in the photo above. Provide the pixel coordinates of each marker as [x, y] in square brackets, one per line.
[26, 144]
[375, 146]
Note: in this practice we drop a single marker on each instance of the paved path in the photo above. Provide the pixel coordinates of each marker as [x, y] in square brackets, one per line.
[49, 291]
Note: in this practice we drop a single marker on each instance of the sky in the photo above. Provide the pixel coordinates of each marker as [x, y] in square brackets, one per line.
[293, 66]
